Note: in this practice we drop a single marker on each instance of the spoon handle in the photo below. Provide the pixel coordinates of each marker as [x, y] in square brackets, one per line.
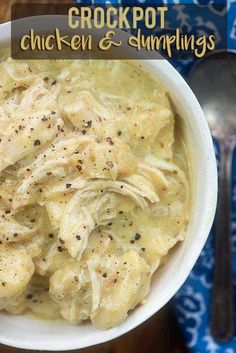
[222, 324]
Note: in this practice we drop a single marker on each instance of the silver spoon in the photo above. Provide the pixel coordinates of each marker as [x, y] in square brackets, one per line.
[213, 80]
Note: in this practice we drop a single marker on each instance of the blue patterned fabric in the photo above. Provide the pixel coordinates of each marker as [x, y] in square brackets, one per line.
[193, 300]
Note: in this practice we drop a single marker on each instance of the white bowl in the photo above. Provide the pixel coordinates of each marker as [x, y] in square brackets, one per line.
[23, 332]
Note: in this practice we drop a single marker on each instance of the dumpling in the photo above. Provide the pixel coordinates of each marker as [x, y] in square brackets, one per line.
[109, 159]
[88, 115]
[124, 283]
[103, 289]
[70, 287]
[17, 269]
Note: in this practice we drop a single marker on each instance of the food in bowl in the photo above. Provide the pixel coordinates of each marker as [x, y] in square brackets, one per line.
[94, 187]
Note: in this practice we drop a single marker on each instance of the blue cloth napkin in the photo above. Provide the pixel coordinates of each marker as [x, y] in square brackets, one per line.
[192, 302]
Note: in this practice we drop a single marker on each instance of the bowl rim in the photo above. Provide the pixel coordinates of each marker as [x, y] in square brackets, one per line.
[188, 99]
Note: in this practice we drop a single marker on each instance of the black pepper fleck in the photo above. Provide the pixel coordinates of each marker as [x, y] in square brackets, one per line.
[29, 296]
[109, 140]
[37, 143]
[137, 236]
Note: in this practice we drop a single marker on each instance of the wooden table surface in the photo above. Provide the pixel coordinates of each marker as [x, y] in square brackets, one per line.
[160, 334]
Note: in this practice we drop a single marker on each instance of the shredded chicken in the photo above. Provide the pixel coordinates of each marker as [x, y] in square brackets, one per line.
[27, 134]
[93, 190]
[12, 231]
